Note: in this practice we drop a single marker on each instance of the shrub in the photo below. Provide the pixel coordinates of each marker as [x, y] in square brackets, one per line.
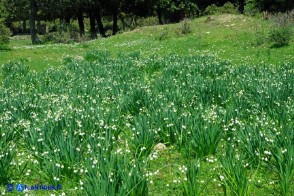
[280, 37]
[4, 36]
[227, 8]
[148, 21]
[185, 27]
[64, 35]
[163, 35]
[210, 10]
[283, 19]
[57, 37]
[251, 9]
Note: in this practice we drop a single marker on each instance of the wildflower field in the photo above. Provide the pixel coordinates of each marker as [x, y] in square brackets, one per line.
[92, 124]
[208, 114]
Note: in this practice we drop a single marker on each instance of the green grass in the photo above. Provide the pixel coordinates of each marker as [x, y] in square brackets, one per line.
[228, 37]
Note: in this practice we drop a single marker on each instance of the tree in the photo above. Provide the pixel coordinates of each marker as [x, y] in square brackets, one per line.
[99, 22]
[241, 5]
[33, 14]
[174, 10]
[14, 10]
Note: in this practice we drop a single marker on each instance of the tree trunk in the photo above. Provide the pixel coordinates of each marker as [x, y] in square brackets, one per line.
[33, 12]
[67, 20]
[99, 22]
[289, 5]
[92, 24]
[81, 23]
[24, 26]
[241, 6]
[159, 16]
[114, 27]
[123, 23]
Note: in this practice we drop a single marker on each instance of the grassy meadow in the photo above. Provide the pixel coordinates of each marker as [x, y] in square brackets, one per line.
[154, 111]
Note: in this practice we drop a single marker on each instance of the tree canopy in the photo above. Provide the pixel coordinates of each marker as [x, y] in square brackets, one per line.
[167, 11]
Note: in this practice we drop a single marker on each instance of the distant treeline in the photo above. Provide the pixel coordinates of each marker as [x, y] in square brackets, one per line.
[167, 11]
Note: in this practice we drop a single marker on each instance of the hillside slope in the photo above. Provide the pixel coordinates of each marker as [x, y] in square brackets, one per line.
[236, 38]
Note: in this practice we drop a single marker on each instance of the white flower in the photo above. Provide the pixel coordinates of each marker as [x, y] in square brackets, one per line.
[267, 152]
[221, 177]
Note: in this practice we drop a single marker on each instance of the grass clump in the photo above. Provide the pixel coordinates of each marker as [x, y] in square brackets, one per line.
[163, 34]
[191, 180]
[235, 173]
[280, 36]
[7, 155]
[283, 153]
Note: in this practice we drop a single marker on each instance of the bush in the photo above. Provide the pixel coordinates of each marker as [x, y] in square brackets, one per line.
[251, 9]
[4, 36]
[185, 27]
[64, 34]
[210, 10]
[283, 19]
[57, 37]
[163, 35]
[280, 37]
[227, 8]
[148, 21]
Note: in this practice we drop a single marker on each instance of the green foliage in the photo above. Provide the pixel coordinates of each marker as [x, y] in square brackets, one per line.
[253, 145]
[7, 154]
[84, 124]
[14, 70]
[280, 36]
[283, 153]
[260, 38]
[148, 21]
[227, 8]
[4, 36]
[65, 34]
[202, 140]
[235, 173]
[97, 55]
[174, 11]
[114, 175]
[58, 37]
[143, 137]
[191, 182]
[163, 34]
[211, 9]
[281, 33]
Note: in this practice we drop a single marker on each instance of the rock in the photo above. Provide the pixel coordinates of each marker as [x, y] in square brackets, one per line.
[80, 58]
[208, 19]
[160, 147]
